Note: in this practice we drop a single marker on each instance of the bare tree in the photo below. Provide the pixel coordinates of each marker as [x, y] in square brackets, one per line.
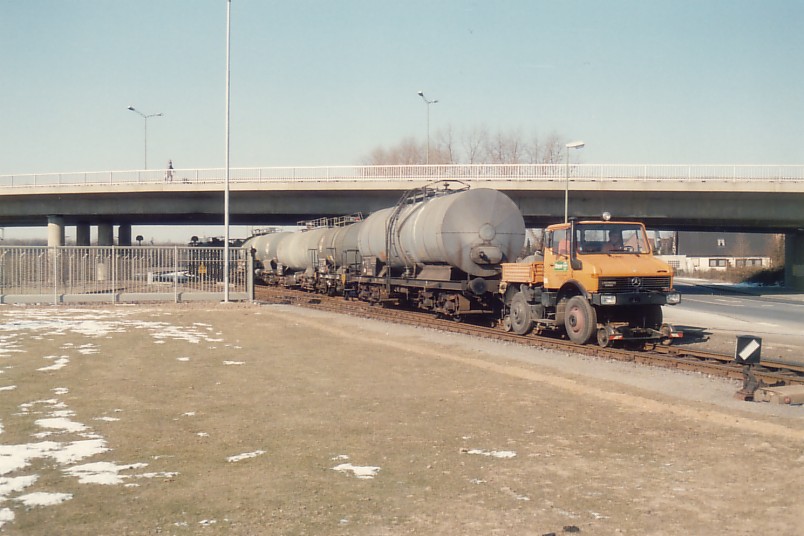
[505, 148]
[473, 146]
[552, 150]
[445, 149]
[407, 152]
[473, 143]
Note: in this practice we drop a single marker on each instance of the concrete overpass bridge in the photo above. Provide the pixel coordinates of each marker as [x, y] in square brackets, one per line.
[680, 197]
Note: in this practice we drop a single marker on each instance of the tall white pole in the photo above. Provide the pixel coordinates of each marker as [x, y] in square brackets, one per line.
[145, 151]
[226, 181]
[428, 102]
[566, 187]
[573, 145]
[145, 133]
[428, 133]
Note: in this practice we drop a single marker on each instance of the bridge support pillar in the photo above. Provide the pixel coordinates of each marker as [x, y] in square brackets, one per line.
[105, 234]
[82, 233]
[55, 231]
[794, 260]
[124, 234]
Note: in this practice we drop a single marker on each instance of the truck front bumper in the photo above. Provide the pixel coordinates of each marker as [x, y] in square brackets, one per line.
[635, 298]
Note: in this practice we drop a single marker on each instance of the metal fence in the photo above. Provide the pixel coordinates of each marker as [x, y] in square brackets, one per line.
[469, 172]
[79, 274]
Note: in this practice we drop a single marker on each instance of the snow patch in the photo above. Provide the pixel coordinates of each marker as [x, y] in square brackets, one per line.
[105, 473]
[245, 456]
[41, 498]
[492, 453]
[362, 472]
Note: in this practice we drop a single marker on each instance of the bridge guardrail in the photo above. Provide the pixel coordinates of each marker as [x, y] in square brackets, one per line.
[469, 172]
[116, 274]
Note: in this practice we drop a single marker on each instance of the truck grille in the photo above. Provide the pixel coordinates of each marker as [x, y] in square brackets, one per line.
[633, 283]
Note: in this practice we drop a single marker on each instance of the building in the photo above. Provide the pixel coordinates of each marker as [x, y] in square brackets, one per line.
[702, 252]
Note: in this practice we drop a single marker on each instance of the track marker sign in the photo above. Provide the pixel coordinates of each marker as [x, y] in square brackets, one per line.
[748, 349]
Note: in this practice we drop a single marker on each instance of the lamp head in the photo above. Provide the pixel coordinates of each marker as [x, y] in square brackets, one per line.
[132, 108]
[420, 93]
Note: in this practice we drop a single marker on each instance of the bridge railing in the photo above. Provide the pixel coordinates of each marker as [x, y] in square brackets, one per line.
[468, 172]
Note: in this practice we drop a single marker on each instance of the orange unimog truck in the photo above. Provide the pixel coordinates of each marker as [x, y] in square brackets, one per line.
[596, 279]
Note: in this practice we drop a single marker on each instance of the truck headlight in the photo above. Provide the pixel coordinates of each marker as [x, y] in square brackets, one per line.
[673, 298]
[608, 299]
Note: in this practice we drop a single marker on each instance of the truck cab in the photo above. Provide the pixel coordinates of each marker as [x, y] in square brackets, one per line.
[597, 279]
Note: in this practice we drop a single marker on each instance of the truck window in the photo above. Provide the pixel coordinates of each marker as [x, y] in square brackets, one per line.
[611, 238]
[560, 242]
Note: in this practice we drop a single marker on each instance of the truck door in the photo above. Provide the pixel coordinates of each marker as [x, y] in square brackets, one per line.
[557, 259]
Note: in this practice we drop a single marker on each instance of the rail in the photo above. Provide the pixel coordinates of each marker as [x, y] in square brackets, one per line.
[468, 172]
[114, 274]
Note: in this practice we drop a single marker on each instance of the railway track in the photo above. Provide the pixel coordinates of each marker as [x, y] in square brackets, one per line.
[673, 357]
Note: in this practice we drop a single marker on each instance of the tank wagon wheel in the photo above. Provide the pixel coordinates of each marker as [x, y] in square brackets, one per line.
[580, 320]
[521, 323]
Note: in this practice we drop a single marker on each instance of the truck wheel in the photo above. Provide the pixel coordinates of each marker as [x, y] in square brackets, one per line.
[521, 323]
[653, 316]
[580, 320]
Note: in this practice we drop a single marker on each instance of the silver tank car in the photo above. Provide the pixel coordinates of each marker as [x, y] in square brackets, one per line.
[300, 251]
[266, 247]
[339, 245]
[472, 230]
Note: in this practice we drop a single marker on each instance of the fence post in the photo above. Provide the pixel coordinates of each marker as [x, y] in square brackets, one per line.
[114, 274]
[55, 278]
[176, 274]
[249, 274]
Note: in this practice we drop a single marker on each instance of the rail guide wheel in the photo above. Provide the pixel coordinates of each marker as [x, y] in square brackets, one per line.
[506, 323]
[603, 337]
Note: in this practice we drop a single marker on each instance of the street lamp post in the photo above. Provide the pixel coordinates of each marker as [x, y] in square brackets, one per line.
[573, 145]
[226, 181]
[428, 102]
[145, 117]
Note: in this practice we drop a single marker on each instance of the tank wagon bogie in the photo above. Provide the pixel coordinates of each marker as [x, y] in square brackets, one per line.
[453, 252]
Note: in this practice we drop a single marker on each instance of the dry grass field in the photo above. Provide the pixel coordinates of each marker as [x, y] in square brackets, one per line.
[247, 420]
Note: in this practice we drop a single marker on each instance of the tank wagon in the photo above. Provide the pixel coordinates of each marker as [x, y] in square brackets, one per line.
[440, 249]
[453, 251]
[313, 258]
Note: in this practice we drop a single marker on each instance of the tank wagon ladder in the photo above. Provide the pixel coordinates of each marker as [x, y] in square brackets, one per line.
[410, 197]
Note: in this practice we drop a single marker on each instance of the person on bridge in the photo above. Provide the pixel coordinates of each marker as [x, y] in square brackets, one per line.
[169, 172]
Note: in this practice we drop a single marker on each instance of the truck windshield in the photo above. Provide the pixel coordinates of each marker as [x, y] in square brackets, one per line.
[607, 238]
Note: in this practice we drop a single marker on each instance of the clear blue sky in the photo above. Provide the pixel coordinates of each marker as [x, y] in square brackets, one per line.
[323, 82]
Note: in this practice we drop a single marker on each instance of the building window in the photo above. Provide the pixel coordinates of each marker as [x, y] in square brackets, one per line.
[718, 263]
[721, 242]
